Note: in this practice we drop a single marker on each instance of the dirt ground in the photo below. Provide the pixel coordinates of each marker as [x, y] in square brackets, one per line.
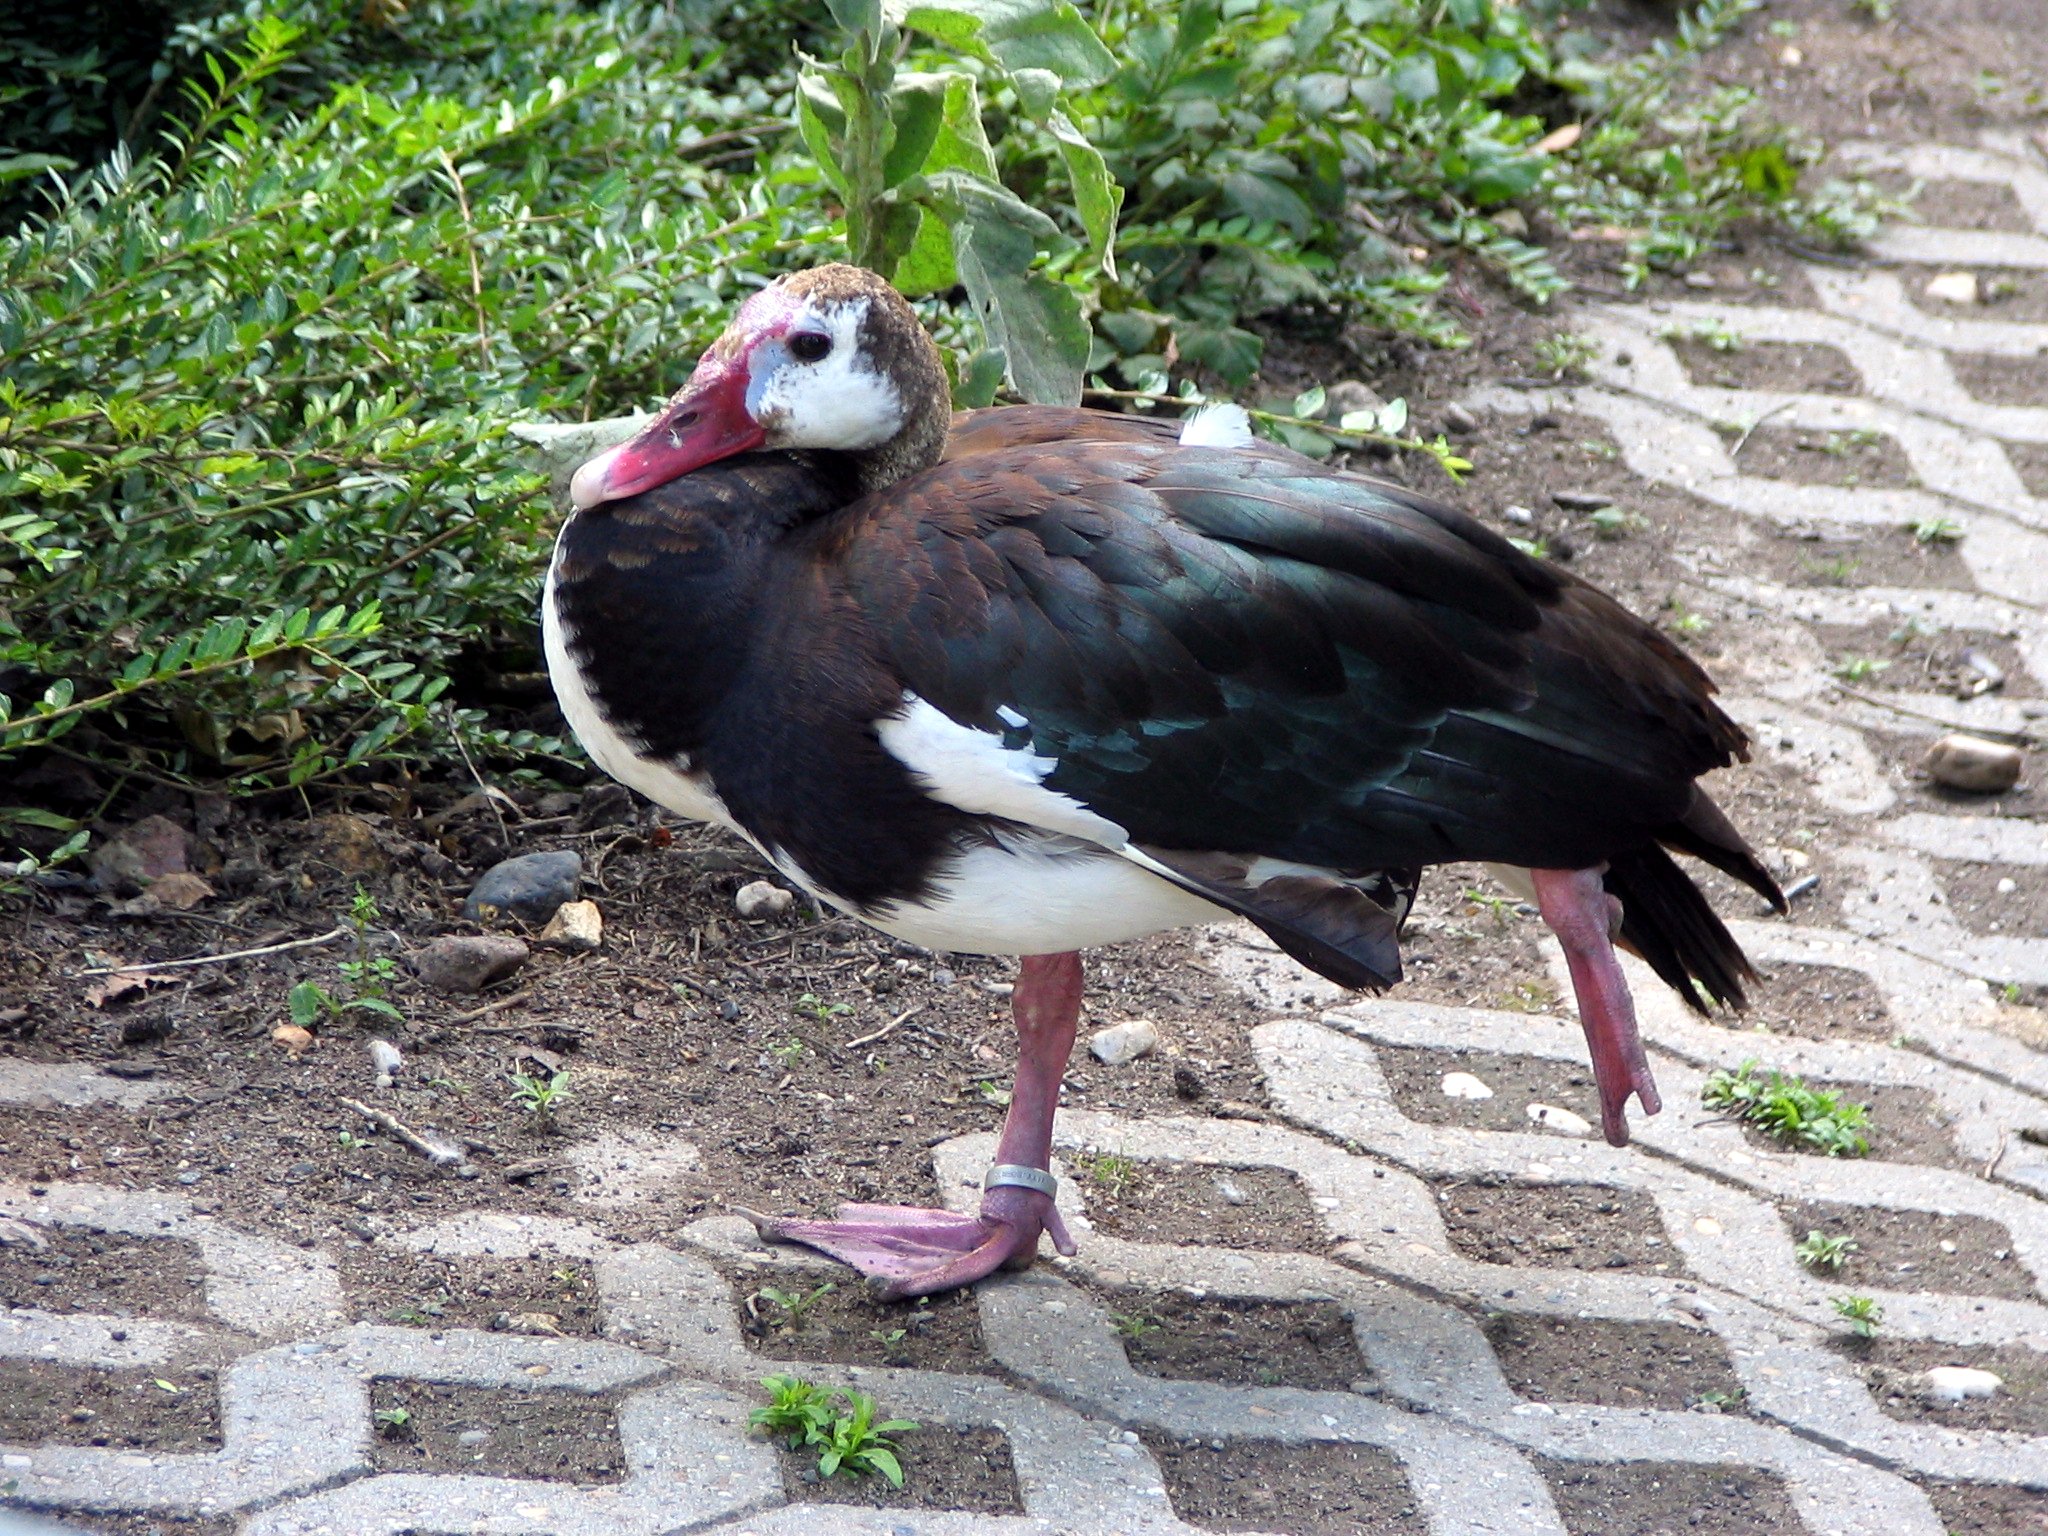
[810, 1061]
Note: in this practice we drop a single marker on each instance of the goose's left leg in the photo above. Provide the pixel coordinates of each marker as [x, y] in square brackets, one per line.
[917, 1252]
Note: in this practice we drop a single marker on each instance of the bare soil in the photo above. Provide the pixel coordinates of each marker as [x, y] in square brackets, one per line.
[1657, 1498]
[496, 1432]
[77, 1271]
[844, 1321]
[1623, 1365]
[1235, 1341]
[165, 1411]
[1989, 1509]
[952, 1469]
[1218, 1207]
[1893, 1366]
[386, 1284]
[1575, 1226]
[1316, 1490]
[1415, 1077]
[1915, 1250]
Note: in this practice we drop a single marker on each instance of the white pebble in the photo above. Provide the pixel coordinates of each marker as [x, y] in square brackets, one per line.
[1125, 1042]
[1552, 1118]
[759, 899]
[1229, 1191]
[1955, 287]
[387, 1059]
[1463, 1085]
[2007, 885]
[1954, 1383]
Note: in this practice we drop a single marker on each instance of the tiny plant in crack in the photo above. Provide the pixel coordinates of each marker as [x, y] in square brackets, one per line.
[540, 1094]
[1133, 1325]
[812, 1006]
[792, 1308]
[1861, 1313]
[393, 1423]
[1785, 1109]
[1819, 1251]
[365, 980]
[1115, 1174]
[1565, 355]
[1937, 530]
[841, 1426]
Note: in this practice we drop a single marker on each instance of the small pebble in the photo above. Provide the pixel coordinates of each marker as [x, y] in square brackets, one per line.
[1521, 517]
[1973, 764]
[1463, 1085]
[2007, 885]
[1953, 287]
[577, 926]
[473, 1437]
[468, 962]
[1229, 1191]
[1552, 1118]
[758, 900]
[1347, 397]
[1123, 1043]
[1954, 1383]
[1582, 501]
[1458, 419]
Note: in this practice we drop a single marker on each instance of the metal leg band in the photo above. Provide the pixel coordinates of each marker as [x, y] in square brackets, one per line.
[1020, 1176]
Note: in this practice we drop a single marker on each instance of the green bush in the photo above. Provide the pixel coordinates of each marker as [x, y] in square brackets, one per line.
[254, 383]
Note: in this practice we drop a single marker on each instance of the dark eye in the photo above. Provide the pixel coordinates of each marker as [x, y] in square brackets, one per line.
[809, 346]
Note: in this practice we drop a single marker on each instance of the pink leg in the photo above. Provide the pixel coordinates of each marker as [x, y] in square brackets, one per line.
[1585, 918]
[919, 1252]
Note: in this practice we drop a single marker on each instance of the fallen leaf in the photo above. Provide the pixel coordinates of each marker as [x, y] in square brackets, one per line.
[124, 984]
[1559, 139]
[180, 891]
[295, 1040]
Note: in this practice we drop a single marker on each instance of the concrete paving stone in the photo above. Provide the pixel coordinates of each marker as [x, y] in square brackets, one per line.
[71, 1338]
[502, 1234]
[293, 1418]
[253, 1284]
[473, 1358]
[63, 1085]
[689, 1462]
[1877, 300]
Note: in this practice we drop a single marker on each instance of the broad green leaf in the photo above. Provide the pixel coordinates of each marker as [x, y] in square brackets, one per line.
[1097, 195]
[981, 378]
[1018, 34]
[918, 113]
[927, 266]
[308, 1002]
[1035, 320]
[857, 15]
[962, 143]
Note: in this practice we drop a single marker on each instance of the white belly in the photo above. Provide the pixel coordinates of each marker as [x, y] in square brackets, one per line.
[1041, 897]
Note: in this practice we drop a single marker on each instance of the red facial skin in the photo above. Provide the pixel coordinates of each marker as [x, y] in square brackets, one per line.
[708, 419]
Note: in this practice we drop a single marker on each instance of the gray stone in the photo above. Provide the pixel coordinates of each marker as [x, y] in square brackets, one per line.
[150, 848]
[468, 962]
[529, 887]
[1458, 419]
[1125, 1042]
[1582, 501]
[1974, 764]
[759, 900]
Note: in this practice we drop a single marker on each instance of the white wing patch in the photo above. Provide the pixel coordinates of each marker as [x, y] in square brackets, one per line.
[973, 770]
[1217, 426]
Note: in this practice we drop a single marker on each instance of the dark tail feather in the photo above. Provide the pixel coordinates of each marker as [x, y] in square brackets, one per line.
[1707, 834]
[1666, 920]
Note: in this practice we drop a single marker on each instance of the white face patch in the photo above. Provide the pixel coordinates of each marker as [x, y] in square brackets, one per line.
[838, 401]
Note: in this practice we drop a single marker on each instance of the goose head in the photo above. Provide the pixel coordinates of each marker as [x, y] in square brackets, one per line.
[831, 360]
